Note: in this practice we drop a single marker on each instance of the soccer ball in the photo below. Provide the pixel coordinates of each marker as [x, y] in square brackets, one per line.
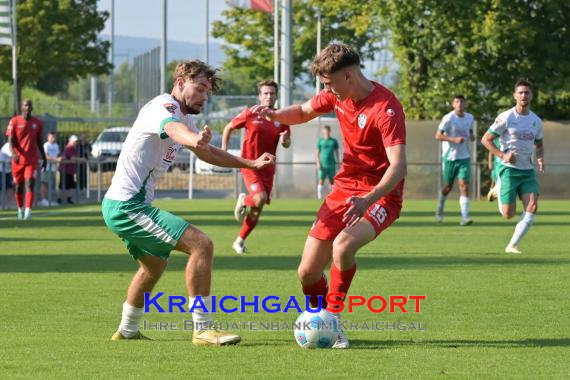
[316, 330]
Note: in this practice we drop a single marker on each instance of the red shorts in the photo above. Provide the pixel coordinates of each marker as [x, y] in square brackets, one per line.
[257, 182]
[22, 172]
[329, 219]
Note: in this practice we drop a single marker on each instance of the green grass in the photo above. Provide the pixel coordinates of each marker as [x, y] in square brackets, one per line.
[489, 315]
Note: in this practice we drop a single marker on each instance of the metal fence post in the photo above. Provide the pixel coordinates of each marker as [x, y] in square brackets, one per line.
[99, 180]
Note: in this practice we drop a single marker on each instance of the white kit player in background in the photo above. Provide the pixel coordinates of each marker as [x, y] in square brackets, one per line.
[456, 133]
[520, 131]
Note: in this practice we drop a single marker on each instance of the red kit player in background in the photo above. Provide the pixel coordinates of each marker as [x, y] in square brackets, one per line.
[368, 190]
[25, 135]
[261, 136]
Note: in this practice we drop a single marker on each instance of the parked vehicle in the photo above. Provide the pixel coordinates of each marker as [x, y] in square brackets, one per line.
[107, 147]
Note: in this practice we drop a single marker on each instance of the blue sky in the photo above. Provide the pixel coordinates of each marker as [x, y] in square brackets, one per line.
[143, 18]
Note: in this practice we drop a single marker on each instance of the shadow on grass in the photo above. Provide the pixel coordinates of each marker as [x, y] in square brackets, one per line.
[122, 262]
[460, 343]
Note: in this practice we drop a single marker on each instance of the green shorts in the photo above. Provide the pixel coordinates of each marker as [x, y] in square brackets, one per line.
[145, 230]
[494, 173]
[513, 182]
[458, 169]
[327, 172]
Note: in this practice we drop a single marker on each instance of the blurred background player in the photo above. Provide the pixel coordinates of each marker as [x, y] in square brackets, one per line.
[68, 170]
[493, 163]
[163, 126]
[368, 191]
[261, 136]
[456, 132]
[519, 131]
[6, 168]
[51, 149]
[327, 158]
[25, 135]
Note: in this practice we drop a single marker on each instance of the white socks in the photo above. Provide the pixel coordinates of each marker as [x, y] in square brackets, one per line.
[199, 315]
[239, 240]
[319, 191]
[130, 321]
[464, 206]
[522, 227]
[441, 202]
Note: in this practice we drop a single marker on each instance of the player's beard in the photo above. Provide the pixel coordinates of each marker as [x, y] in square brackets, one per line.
[193, 110]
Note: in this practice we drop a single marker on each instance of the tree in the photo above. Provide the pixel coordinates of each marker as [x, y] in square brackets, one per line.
[249, 38]
[57, 42]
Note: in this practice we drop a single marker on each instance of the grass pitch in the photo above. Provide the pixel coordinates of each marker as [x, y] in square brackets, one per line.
[64, 276]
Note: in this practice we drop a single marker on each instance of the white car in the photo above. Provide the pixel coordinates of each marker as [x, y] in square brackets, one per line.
[108, 145]
[203, 167]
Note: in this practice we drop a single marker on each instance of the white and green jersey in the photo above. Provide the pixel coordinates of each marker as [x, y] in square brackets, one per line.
[518, 133]
[148, 151]
[453, 125]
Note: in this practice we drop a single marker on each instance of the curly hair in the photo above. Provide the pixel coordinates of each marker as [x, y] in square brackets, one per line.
[191, 69]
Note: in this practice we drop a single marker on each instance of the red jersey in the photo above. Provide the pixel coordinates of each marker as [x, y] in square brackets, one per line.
[26, 134]
[368, 127]
[261, 136]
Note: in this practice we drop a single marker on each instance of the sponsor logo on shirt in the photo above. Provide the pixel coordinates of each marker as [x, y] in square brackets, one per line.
[170, 107]
[361, 120]
[171, 153]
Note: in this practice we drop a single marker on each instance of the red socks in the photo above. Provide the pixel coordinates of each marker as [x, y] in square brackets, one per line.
[320, 288]
[247, 226]
[29, 199]
[340, 282]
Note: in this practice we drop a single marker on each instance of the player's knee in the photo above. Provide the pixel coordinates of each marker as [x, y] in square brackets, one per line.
[342, 245]
[532, 207]
[307, 275]
[446, 189]
[204, 246]
[259, 200]
[508, 214]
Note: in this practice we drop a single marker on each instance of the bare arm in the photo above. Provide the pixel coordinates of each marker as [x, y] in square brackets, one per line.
[318, 156]
[487, 141]
[540, 156]
[295, 114]
[490, 163]
[199, 144]
[393, 175]
[41, 149]
[442, 137]
[226, 135]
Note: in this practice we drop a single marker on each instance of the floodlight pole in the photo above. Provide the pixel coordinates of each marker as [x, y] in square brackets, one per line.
[317, 80]
[111, 61]
[163, 49]
[286, 55]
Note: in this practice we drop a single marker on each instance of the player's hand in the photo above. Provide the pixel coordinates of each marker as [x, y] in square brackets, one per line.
[458, 140]
[263, 161]
[285, 138]
[358, 206]
[206, 134]
[510, 157]
[263, 112]
[202, 139]
[44, 165]
[540, 163]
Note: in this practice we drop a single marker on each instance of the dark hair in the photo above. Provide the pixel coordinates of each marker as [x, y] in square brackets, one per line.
[523, 82]
[327, 127]
[267, 82]
[459, 96]
[334, 58]
[191, 69]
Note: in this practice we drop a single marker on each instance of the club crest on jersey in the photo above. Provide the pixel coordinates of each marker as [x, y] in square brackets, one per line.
[276, 124]
[254, 187]
[170, 107]
[391, 112]
[34, 126]
[361, 121]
